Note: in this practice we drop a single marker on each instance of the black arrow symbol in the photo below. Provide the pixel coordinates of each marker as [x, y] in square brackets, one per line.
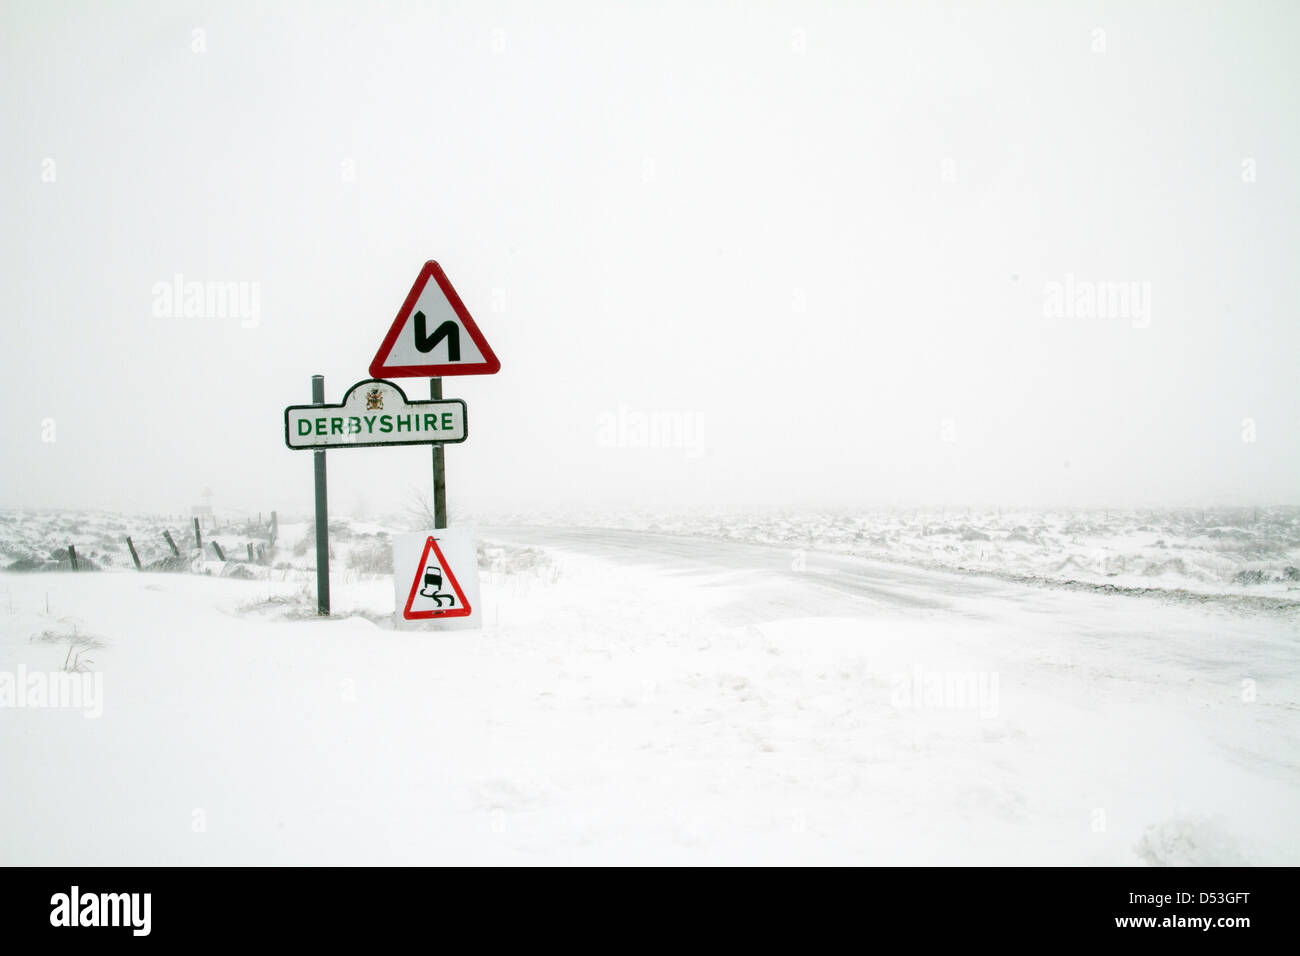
[449, 330]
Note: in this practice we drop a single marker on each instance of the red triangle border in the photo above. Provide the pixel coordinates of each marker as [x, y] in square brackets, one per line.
[491, 364]
[463, 611]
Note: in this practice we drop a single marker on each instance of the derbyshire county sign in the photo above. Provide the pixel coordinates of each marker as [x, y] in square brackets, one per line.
[375, 412]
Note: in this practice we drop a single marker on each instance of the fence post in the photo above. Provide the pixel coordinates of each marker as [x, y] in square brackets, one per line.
[175, 550]
[198, 539]
[217, 548]
[250, 552]
[72, 556]
[134, 557]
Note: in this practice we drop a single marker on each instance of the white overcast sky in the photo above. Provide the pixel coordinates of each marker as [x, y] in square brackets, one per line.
[819, 236]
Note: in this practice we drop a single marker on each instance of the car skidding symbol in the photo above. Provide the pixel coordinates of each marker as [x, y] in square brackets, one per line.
[433, 585]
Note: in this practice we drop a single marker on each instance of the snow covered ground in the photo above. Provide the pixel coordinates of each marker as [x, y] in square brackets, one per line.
[637, 697]
[1246, 552]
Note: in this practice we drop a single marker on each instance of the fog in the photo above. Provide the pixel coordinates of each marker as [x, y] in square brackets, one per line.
[731, 254]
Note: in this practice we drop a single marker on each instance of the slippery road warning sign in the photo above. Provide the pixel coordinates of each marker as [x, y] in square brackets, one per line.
[435, 576]
[435, 592]
[433, 334]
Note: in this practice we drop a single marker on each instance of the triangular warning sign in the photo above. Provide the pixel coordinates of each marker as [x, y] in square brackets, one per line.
[435, 591]
[433, 334]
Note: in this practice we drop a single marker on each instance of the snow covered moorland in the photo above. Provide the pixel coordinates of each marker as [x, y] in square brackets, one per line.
[1118, 689]
[1239, 552]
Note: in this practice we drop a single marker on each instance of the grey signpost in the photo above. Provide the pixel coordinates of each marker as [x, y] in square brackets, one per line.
[322, 513]
[439, 467]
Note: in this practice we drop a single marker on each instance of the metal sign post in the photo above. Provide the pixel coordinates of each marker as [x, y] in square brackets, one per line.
[322, 514]
[439, 468]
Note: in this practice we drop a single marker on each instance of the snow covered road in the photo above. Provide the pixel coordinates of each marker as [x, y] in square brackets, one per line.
[651, 698]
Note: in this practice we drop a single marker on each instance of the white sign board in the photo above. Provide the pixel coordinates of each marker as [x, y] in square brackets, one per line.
[375, 412]
[435, 579]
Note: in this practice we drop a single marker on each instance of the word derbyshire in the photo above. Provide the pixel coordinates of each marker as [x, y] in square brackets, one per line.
[384, 424]
[102, 909]
[375, 412]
